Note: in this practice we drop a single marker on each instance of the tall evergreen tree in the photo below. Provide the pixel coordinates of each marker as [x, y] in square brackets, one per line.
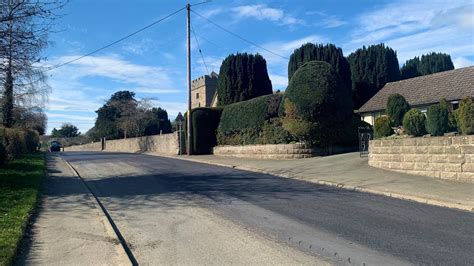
[371, 69]
[242, 77]
[427, 64]
[328, 53]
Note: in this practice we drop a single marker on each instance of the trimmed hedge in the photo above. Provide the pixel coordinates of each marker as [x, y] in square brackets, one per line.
[466, 116]
[382, 127]
[414, 122]
[397, 106]
[204, 125]
[437, 119]
[316, 94]
[250, 114]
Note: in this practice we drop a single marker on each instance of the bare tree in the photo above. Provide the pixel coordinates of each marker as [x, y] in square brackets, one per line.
[24, 27]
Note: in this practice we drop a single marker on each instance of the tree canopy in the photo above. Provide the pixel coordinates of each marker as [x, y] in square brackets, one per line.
[242, 77]
[123, 116]
[67, 130]
[371, 69]
[427, 64]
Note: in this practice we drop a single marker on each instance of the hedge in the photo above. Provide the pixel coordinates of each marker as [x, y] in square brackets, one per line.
[249, 115]
[15, 142]
[316, 94]
[414, 122]
[382, 127]
[204, 125]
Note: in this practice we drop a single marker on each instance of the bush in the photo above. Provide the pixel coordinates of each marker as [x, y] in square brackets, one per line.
[204, 125]
[317, 94]
[31, 140]
[397, 106]
[452, 121]
[15, 143]
[300, 129]
[273, 132]
[437, 119]
[250, 114]
[382, 127]
[466, 116]
[414, 122]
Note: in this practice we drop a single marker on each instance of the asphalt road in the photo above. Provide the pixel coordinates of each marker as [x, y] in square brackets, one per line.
[181, 212]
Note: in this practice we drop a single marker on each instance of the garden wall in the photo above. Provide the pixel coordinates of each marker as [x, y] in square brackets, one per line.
[269, 151]
[166, 144]
[438, 157]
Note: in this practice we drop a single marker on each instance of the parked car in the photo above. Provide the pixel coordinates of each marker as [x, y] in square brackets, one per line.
[55, 146]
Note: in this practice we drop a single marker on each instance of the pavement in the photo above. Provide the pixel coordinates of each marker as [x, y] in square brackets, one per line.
[179, 212]
[68, 227]
[350, 171]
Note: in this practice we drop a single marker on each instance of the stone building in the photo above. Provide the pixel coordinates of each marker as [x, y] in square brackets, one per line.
[203, 91]
[421, 92]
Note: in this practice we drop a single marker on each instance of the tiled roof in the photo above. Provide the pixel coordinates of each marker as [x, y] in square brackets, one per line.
[450, 85]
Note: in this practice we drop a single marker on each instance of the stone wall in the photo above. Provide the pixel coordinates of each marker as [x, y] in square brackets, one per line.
[166, 144]
[439, 157]
[269, 151]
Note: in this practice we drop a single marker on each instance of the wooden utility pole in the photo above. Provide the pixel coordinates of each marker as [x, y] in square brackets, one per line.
[188, 121]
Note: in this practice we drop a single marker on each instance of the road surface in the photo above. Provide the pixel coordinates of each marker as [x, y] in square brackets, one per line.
[172, 211]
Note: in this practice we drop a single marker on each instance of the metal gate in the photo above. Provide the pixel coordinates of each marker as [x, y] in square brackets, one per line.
[365, 134]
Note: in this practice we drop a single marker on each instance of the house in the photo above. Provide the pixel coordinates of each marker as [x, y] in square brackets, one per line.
[203, 90]
[421, 92]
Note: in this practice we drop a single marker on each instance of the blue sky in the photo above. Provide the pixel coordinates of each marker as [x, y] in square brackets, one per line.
[153, 62]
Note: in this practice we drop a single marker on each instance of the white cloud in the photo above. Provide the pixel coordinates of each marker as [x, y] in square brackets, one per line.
[263, 12]
[413, 28]
[286, 48]
[407, 17]
[462, 62]
[140, 47]
[326, 21]
[118, 70]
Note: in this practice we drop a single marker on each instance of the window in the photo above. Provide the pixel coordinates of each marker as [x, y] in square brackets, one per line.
[197, 95]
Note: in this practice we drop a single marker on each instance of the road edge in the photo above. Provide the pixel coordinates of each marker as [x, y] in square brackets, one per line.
[111, 229]
[429, 201]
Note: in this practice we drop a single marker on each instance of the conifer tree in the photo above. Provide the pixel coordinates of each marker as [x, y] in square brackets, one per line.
[371, 69]
[427, 64]
[242, 77]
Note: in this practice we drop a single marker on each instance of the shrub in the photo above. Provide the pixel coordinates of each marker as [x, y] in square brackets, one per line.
[317, 94]
[204, 125]
[397, 106]
[466, 116]
[437, 119]
[414, 122]
[453, 121]
[382, 127]
[274, 133]
[3, 154]
[31, 140]
[15, 143]
[249, 114]
[300, 129]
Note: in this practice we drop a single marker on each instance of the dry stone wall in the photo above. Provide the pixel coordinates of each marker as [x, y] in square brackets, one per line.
[438, 157]
[166, 144]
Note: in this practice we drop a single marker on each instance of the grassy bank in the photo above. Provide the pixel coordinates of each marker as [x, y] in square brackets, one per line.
[19, 186]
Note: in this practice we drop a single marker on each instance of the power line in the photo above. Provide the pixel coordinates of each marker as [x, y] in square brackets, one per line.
[117, 41]
[199, 48]
[237, 36]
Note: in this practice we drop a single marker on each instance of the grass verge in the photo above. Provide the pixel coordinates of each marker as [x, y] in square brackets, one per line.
[19, 187]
